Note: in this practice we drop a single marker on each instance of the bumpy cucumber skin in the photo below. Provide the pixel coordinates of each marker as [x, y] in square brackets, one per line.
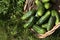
[54, 13]
[39, 30]
[27, 15]
[43, 18]
[29, 23]
[51, 22]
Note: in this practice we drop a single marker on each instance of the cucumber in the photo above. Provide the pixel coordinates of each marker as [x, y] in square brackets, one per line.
[45, 1]
[40, 8]
[45, 25]
[40, 11]
[39, 30]
[54, 13]
[47, 5]
[27, 15]
[51, 22]
[38, 3]
[43, 18]
[29, 23]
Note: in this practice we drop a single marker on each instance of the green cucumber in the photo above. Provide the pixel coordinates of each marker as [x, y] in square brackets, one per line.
[43, 18]
[54, 13]
[29, 23]
[40, 11]
[47, 5]
[27, 15]
[39, 30]
[38, 3]
[45, 1]
[51, 22]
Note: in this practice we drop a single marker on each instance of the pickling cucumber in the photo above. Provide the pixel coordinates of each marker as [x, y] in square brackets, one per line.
[38, 3]
[29, 23]
[54, 13]
[43, 18]
[27, 15]
[39, 30]
[51, 22]
[40, 8]
[47, 5]
[40, 11]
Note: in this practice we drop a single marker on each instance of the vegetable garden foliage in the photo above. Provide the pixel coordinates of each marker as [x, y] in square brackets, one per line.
[10, 13]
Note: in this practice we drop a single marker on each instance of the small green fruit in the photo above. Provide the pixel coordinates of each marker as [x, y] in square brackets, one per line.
[47, 5]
